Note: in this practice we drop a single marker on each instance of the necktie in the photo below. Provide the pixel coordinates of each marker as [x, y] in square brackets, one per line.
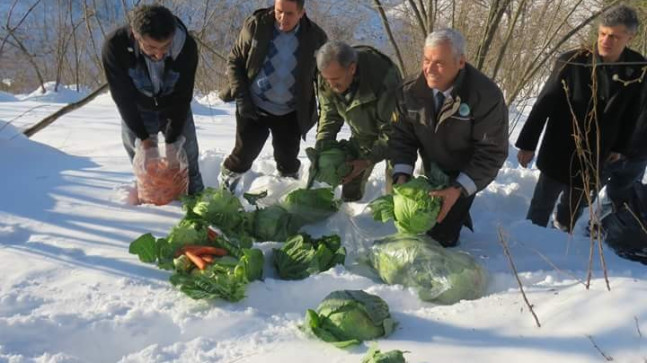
[440, 99]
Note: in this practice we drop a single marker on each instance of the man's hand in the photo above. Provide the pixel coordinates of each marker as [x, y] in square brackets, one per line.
[358, 166]
[613, 157]
[525, 157]
[449, 196]
[401, 179]
[172, 156]
[246, 108]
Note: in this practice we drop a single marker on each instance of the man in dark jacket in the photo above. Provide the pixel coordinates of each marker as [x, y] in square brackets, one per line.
[271, 71]
[357, 85]
[150, 67]
[591, 102]
[456, 117]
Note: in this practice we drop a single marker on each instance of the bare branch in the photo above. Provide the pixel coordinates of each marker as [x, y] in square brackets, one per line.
[516, 275]
[387, 28]
[608, 358]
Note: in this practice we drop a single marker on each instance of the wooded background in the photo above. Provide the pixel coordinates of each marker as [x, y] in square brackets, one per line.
[513, 41]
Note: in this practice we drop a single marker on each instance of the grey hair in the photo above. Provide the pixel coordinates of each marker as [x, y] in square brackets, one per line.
[336, 51]
[621, 15]
[452, 36]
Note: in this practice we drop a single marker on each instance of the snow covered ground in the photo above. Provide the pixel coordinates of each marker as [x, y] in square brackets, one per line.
[71, 292]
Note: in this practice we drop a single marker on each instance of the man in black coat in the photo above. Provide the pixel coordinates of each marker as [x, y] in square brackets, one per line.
[591, 102]
[150, 67]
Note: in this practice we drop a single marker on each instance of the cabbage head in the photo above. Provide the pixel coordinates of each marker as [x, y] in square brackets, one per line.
[273, 223]
[348, 317]
[439, 275]
[330, 157]
[410, 206]
[219, 207]
[311, 205]
[374, 355]
[302, 256]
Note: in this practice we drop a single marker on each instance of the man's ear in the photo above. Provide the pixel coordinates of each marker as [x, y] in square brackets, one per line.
[461, 62]
[352, 68]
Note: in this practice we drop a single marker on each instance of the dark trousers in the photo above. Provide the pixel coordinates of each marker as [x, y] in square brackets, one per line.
[447, 232]
[569, 207]
[252, 134]
[620, 177]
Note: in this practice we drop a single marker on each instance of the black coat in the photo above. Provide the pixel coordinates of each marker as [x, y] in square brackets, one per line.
[568, 92]
[130, 84]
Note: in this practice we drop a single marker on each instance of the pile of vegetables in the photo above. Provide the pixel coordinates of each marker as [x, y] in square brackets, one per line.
[439, 275]
[348, 317]
[329, 161]
[302, 256]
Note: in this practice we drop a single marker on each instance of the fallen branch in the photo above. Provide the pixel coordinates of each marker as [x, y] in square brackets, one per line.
[608, 358]
[63, 111]
[516, 275]
[638, 327]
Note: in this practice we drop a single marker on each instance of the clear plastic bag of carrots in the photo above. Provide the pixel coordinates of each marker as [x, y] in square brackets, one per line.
[161, 177]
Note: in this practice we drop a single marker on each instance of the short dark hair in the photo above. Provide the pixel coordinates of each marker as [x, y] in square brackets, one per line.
[621, 15]
[300, 3]
[154, 21]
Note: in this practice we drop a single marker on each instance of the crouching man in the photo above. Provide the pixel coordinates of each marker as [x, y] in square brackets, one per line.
[456, 117]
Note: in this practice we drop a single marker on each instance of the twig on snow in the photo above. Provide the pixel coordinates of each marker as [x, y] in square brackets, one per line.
[516, 275]
[608, 358]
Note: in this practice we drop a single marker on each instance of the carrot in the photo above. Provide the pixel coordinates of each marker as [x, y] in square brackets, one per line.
[197, 260]
[202, 250]
[207, 258]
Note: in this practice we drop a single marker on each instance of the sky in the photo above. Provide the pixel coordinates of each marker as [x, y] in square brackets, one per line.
[71, 292]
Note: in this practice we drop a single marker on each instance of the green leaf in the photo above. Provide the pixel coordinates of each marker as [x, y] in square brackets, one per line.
[145, 247]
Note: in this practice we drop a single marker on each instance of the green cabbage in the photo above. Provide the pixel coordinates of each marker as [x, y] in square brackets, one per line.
[273, 223]
[330, 158]
[302, 256]
[411, 207]
[349, 317]
[438, 274]
[311, 205]
[375, 356]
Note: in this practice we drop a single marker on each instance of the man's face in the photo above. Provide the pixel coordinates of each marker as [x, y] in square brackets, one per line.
[155, 49]
[612, 40]
[440, 66]
[287, 14]
[338, 77]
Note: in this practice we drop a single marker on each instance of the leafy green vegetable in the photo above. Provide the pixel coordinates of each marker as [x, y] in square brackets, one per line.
[154, 250]
[330, 157]
[225, 279]
[273, 223]
[188, 232]
[311, 205]
[410, 206]
[438, 274]
[375, 356]
[348, 317]
[302, 256]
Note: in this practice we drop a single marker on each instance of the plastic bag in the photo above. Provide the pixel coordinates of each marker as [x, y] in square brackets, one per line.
[161, 178]
[438, 274]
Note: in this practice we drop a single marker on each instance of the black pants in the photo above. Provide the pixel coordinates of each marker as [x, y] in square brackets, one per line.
[569, 207]
[252, 134]
[447, 232]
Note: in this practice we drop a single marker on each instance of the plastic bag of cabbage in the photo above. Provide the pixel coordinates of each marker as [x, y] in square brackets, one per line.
[302, 256]
[348, 317]
[439, 275]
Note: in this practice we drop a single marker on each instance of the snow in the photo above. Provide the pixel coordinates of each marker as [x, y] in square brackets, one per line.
[71, 292]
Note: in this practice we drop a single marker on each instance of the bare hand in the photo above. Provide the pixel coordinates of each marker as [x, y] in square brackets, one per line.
[525, 157]
[401, 179]
[613, 157]
[449, 196]
[358, 166]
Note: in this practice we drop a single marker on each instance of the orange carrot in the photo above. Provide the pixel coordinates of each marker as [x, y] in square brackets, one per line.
[207, 258]
[202, 250]
[197, 260]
